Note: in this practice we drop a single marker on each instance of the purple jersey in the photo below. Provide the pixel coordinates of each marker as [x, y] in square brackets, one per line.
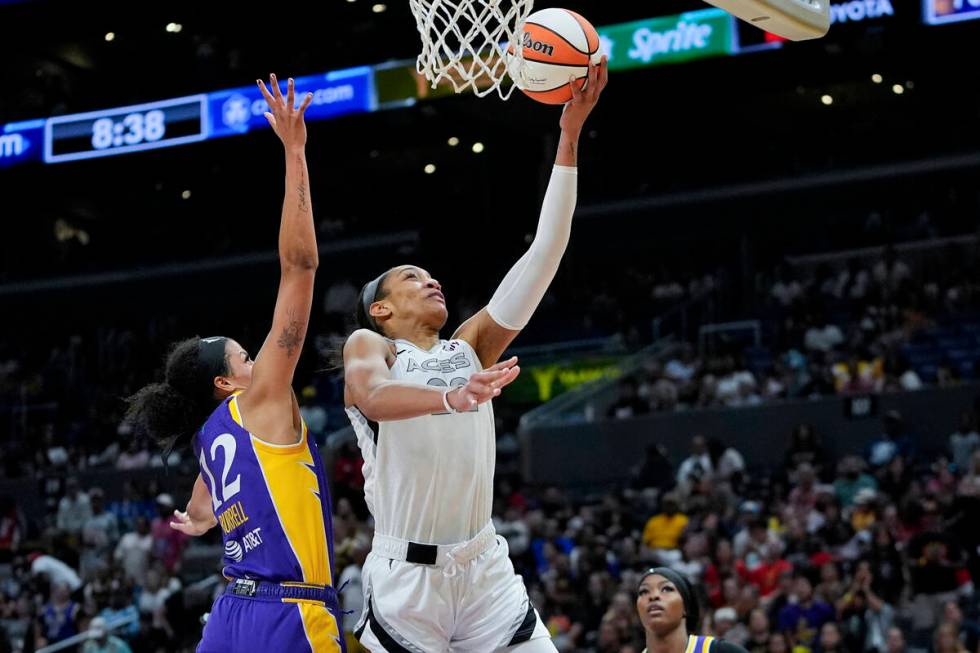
[271, 501]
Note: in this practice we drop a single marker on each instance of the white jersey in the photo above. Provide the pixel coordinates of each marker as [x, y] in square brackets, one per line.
[430, 479]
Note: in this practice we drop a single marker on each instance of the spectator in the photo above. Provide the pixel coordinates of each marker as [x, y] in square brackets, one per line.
[970, 483]
[895, 480]
[102, 641]
[513, 529]
[803, 497]
[698, 464]
[153, 602]
[758, 639]
[353, 597]
[683, 368]
[891, 272]
[964, 441]
[805, 447]
[56, 571]
[866, 618]
[313, 413]
[133, 551]
[946, 640]
[130, 506]
[168, 543]
[99, 534]
[787, 289]
[830, 640]
[60, 614]
[663, 531]
[135, 456]
[764, 568]
[851, 480]
[756, 537]
[628, 403]
[723, 622]
[968, 631]
[122, 609]
[806, 616]
[891, 443]
[778, 643]
[73, 509]
[12, 528]
[934, 568]
[727, 462]
[822, 337]
[895, 641]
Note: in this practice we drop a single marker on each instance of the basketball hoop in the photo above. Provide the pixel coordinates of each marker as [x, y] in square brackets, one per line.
[465, 42]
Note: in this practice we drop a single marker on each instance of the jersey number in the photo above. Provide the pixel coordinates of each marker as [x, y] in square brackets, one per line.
[458, 382]
[227, 442]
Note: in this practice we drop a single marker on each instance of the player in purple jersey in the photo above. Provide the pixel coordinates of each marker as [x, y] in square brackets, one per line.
[261, 477]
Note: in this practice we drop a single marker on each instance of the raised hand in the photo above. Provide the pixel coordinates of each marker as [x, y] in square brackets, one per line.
[188, 525]
[283, 114]
[584, 99]
[484, 386]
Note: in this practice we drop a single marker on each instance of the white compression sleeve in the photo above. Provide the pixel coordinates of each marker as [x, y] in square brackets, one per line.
[522, 289]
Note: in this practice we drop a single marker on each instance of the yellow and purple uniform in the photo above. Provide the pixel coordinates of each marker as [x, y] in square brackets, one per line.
[273, 507]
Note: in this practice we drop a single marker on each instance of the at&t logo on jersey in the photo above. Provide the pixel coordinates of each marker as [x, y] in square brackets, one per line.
[233, 550]
[250, 541]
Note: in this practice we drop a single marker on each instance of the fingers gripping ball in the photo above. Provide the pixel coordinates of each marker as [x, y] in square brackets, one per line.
[558, 45]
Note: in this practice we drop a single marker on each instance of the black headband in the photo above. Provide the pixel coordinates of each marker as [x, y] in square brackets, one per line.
[211, 355]
[368, 294]
[692, 609]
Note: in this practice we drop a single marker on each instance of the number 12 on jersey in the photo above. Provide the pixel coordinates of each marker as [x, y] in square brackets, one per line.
[226, 442]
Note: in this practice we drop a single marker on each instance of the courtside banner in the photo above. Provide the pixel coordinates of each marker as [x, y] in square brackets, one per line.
[668, 39]
[938, 12]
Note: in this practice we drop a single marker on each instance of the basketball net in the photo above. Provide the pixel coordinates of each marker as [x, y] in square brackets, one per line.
[465, 42]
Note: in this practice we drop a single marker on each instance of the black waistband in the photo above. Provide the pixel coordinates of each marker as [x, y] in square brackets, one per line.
[266, 591]
[422, 554]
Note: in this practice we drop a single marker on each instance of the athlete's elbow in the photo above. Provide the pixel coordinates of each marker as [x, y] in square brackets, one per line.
[371, 411]
[300, 261]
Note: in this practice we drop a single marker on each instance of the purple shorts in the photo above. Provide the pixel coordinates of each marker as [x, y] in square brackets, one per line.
[248, 624]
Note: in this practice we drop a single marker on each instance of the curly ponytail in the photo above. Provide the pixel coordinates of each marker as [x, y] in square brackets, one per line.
[178, 407]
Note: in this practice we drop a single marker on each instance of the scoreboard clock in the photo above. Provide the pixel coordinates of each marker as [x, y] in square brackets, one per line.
[126, 129]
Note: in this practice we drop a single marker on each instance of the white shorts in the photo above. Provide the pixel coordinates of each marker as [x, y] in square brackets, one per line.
[470, 602]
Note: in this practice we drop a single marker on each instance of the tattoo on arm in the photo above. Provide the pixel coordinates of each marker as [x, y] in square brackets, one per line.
[301, 189]
[291, 337]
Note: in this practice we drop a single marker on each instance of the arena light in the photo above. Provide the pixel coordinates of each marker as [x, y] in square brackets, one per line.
[453, 141]
[174, 28]
[379, 8]
[796, 20]
[877, 79]
[898, 89]
[185, 195]
[430, 168]
[110, 36]
[827, 100]
[477, 147]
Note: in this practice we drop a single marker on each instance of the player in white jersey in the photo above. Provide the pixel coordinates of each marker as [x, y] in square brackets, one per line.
[438, 577]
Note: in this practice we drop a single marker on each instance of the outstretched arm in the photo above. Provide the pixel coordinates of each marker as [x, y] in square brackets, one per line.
[371, 389]
[492, 330]
[272, 375]
[199, 518]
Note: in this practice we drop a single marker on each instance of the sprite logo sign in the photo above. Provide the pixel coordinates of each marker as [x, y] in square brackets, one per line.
[668, 39]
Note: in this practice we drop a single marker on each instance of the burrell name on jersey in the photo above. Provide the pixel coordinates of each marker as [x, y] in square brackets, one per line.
[429, 479]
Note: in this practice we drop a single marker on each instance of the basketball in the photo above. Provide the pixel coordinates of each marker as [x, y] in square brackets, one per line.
[558, 44]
